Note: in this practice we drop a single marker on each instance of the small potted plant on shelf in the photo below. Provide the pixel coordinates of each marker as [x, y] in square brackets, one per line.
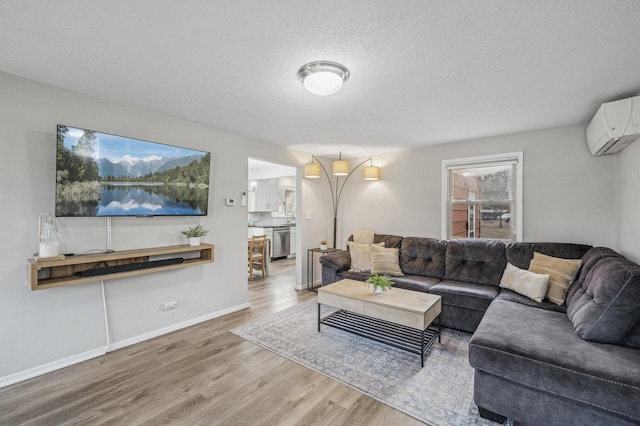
[380, 283]
[323, 245]
[194, 233]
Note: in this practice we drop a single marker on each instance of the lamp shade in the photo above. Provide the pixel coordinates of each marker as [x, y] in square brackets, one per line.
[312, 170]
[340, 168]
[371, 173]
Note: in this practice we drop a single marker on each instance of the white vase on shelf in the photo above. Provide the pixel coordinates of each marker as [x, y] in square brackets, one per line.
[194, 241]
[49, 249]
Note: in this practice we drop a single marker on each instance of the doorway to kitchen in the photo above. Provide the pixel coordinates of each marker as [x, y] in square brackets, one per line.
[271, 211]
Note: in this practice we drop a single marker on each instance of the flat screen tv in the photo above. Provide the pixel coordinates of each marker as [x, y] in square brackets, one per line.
[98, 174]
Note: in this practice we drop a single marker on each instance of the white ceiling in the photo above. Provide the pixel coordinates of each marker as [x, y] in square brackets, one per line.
[422, 71]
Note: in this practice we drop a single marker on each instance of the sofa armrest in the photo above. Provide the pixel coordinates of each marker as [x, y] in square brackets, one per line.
[338, 260]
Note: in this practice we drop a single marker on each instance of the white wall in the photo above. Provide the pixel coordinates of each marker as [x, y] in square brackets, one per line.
[628, 201]
[568, 193]
[50, 326]
[274, 171]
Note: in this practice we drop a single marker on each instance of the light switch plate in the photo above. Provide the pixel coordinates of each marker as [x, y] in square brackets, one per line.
[243, 199]
[230, 202]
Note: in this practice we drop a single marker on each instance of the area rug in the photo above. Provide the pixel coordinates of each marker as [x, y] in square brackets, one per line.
[441, 393]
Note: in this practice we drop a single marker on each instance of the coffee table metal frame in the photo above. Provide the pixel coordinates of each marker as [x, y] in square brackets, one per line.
[396, 335]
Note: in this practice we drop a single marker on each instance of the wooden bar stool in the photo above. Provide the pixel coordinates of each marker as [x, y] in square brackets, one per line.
[257, 254]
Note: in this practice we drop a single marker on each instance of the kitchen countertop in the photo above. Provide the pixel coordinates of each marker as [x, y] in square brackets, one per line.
[272, 225]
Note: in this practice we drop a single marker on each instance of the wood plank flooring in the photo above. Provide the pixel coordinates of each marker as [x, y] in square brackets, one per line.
[201, 375]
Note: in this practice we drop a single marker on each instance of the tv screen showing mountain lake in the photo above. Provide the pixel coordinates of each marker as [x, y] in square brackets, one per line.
[99, 174]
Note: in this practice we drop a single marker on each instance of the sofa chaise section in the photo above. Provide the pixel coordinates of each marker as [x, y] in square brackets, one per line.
[582, 366]
[532, 367]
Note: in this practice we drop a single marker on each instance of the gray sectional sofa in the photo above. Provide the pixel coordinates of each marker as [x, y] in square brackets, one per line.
[536, 363]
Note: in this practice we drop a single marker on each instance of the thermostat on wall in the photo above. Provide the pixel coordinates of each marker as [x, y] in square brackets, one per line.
[230, 202]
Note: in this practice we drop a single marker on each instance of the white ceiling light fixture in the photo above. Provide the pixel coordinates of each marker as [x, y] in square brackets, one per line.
[323, 78]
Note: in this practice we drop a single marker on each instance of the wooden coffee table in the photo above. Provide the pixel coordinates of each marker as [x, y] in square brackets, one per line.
[398, 317]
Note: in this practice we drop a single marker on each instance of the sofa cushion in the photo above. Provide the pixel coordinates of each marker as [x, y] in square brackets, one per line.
[384, 261]
[392, 241]
[561, 273]
[475, 261]
[520, 254]
[512, 296]
[415, 282]
[465, 295]
[423, 256]
[589, 259]
[539, 349]
[524, 282]
[606, 305]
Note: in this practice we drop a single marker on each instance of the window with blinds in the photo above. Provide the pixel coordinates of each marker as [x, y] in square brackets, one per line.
[482, 197]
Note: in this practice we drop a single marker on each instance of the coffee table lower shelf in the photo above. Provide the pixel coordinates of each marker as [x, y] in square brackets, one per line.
[396, 335]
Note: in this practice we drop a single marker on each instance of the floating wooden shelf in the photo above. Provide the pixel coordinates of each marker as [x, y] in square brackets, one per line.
[45, 273]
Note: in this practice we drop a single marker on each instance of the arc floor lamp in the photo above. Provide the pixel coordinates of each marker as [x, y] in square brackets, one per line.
[340, 168]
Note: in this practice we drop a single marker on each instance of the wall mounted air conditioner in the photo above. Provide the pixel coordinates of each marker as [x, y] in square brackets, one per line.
[615, 126]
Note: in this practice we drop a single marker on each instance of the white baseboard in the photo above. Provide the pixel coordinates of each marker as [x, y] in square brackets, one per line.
[174, 327]
[51, 366]
[75, 359]
[316, 283]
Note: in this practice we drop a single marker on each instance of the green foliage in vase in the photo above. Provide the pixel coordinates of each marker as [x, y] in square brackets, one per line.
[195, 231]
[383, 281]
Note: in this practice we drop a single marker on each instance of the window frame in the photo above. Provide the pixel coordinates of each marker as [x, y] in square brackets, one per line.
[511, 158]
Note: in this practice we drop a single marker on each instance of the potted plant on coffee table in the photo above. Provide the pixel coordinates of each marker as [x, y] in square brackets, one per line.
[380, 283]
[194, 233]
[323, 245]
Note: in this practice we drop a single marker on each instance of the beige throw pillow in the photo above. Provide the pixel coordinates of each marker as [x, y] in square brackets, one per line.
[561, 273]
[385, 261]
[524, 282]
[360, 256]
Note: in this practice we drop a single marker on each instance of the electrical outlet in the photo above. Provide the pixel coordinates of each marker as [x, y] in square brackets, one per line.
[170, 305]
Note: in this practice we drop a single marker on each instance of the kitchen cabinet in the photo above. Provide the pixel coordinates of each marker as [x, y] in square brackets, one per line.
[263, 195]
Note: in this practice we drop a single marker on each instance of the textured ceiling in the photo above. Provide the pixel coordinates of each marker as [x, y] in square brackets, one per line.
[422, 72]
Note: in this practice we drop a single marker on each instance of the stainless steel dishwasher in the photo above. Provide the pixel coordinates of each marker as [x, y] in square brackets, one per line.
[280, 241]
